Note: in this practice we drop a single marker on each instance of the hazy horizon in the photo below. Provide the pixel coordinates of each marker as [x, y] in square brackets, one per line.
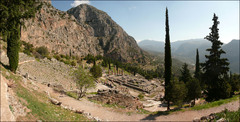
[187, 19]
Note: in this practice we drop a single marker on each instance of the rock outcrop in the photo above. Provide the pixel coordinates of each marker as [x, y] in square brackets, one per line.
[80, 31]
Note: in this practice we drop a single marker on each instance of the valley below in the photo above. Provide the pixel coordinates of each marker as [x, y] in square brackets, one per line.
[47, 77]
[80, 65]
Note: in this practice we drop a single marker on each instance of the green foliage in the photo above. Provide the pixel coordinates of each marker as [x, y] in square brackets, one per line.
[72, 94]
[12, 16]
[90, 58]
[197, 67]
[42, 51]
[185, 74]
[28, 48]
[215, 103]
[57, 57]
[167, 61]
[215, 68]
[13, 48]
[235, 83]
[194, 89]
[104, 62]
[66, 62]
[230, 116]
[140, 96]
[96, 71]
[38, 104]
[73, 63]
[177, 92]
[83, 81]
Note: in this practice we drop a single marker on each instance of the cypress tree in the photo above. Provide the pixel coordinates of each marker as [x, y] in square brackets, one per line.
[13, 13]
[215, 68]
[197, 67]
[13, 48]
[167, 63]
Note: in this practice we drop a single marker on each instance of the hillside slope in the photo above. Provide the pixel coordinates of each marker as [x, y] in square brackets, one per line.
[92, 32]
[232, 54]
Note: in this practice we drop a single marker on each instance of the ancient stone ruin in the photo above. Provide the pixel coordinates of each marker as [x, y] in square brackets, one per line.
[135, 83]
[115, 97]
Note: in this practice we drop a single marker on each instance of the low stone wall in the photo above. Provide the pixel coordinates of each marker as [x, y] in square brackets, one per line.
[141, 85]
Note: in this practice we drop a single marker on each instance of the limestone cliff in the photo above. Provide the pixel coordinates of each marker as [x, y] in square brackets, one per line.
[80, 31]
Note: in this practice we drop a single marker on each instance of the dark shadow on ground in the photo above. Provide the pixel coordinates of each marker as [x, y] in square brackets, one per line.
[5, 66]
[160, 113]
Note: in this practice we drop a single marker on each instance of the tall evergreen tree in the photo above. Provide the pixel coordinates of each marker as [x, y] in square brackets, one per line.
[12, 15]
[197, 67]
[185, 74]
[167, 63]
[215, 68]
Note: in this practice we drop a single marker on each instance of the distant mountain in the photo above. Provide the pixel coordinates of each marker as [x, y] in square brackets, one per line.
[232, 54]
[80, 31]
[185, 50]
[152, 45]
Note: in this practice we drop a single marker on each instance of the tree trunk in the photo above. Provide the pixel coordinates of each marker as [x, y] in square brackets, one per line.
[168, 105]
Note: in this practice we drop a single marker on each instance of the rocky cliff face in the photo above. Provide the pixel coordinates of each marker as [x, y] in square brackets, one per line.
[80, 31]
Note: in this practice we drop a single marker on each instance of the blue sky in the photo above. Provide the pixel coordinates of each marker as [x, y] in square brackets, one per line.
[187, 19]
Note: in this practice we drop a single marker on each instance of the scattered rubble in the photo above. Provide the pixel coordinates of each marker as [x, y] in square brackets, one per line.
[210, 118]
[115, 97]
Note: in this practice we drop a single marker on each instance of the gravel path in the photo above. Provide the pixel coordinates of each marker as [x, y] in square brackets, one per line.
[6, 114]
[107, 114]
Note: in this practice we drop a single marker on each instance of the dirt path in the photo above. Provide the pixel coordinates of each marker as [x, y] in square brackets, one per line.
[25, 61]
[190, 115]
[6, 114]
[107, 114]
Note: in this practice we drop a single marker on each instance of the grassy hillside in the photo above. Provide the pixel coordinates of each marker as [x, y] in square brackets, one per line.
[38, 103]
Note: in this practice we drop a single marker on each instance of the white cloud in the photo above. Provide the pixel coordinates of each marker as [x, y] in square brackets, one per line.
[78, 2]
[138, 41]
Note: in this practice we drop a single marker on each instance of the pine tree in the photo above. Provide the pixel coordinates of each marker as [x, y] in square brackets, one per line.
[197, 67]
[168, 63]
[12, 15]
[215, 68]
[185, 74]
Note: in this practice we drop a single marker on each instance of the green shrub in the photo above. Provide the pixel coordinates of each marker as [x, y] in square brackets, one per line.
[83, 81]
[42, 51]
[230, 116]
[28, 48]
[96, 71]
[90, 58]
[67, 62]
[57, 57]
[140, 96]
[73, 63]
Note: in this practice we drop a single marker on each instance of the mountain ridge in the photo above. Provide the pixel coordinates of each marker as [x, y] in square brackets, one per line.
[185, 50]
[75, 33]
